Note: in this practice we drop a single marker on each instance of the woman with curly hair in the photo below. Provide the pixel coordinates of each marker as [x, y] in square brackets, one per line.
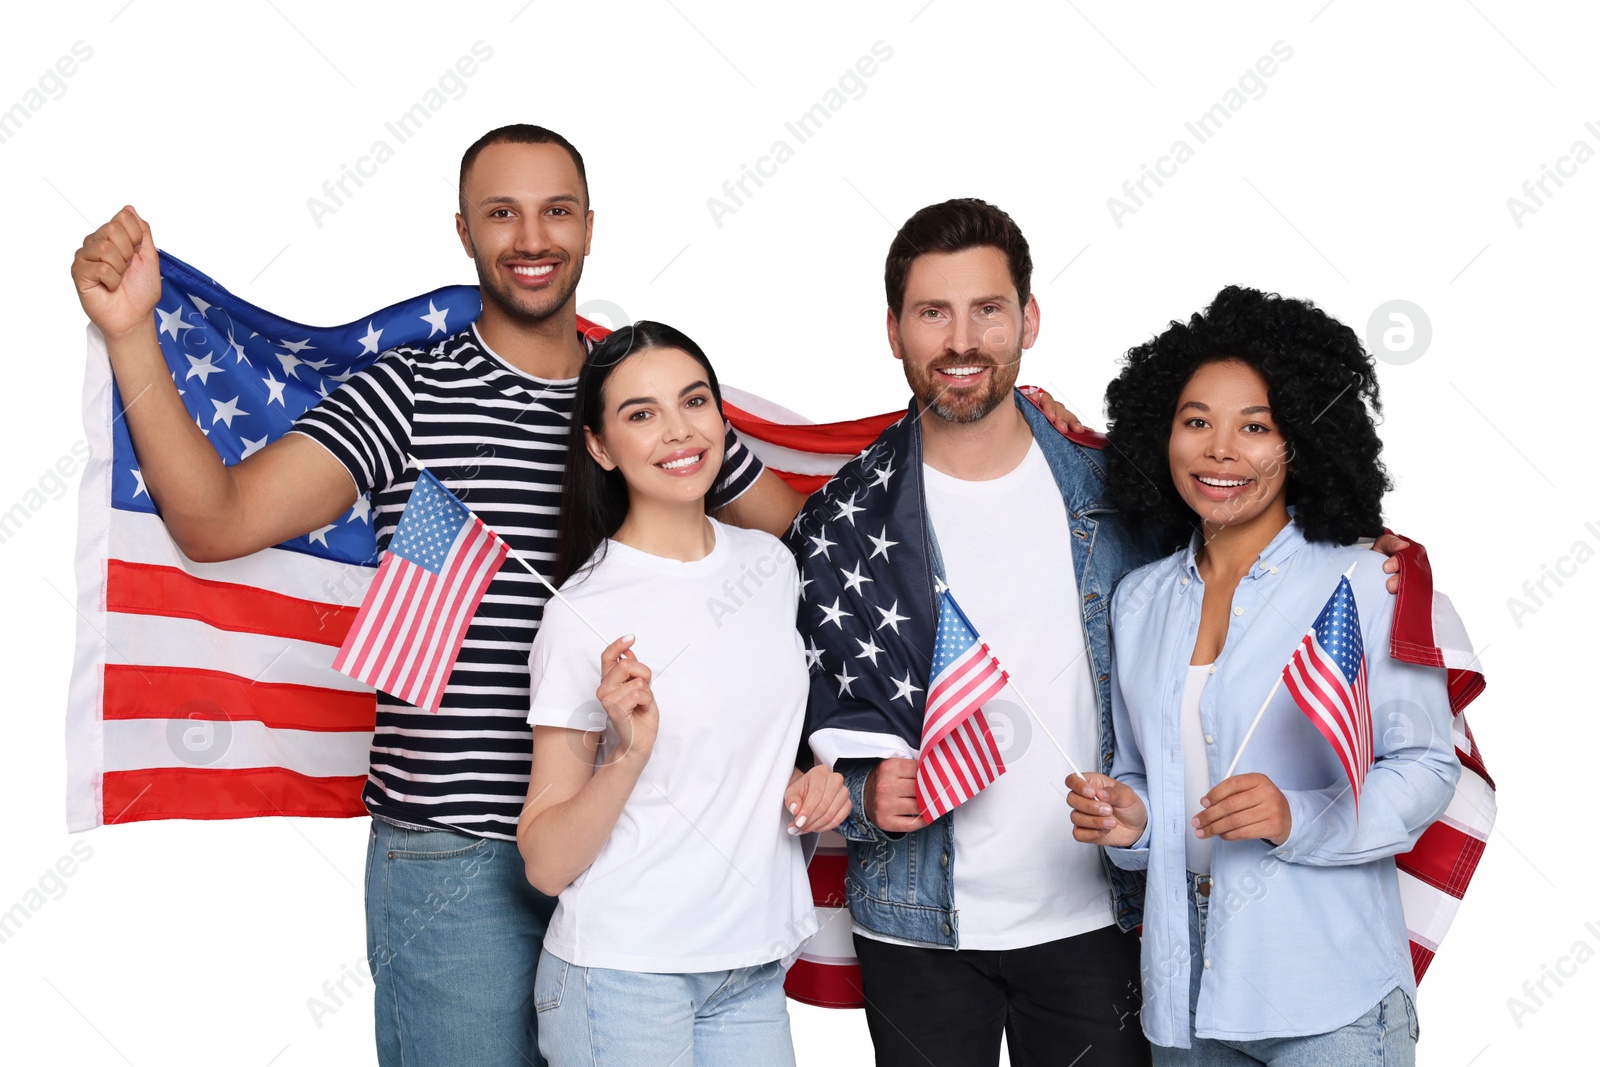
[1273, 930]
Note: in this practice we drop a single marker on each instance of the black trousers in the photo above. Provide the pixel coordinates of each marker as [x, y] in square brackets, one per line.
[1072, 1003]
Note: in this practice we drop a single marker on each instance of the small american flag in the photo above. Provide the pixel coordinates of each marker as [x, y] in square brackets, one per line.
[959, 754]
[1327, 676]
[408, 633]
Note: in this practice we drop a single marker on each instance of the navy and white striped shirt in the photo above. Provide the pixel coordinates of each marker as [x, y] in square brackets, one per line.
[497, 438]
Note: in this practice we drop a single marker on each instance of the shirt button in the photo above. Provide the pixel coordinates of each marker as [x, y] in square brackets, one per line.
[1270, 570]
[1208, 964]
[1184, 582]
[1209, 741]
[1212, 669]
[1238, 611]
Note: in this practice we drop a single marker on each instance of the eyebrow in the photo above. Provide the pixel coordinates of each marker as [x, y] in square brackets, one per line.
[685, 391]
[938, 302]
[1257, 410]
[558, 198]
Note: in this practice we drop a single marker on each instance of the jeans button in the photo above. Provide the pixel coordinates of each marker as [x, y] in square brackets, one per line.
[944, 859]
[946, 929]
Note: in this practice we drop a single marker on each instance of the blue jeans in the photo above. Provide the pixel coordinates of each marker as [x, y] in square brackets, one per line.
[1386, 1036]
[454, 931]
[595, 1017]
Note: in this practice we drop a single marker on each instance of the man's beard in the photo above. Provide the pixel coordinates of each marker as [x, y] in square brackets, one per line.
[529, 308]
[967, 405]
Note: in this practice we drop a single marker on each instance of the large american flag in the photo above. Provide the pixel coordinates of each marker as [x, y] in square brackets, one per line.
[206, 690]
[959, 753]
[1327, 677]
[437, 567]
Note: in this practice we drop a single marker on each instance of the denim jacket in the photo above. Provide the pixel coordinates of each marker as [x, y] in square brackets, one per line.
[903, 885]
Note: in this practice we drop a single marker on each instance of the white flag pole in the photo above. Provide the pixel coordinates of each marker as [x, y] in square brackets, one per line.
[942, 588]
[1045, 729]
[1257, 720]
[530, 568]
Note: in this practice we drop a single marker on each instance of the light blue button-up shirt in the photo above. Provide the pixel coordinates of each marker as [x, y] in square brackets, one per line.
[1306, 937]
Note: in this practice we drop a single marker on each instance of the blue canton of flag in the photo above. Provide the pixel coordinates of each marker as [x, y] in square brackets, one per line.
[955, 637]
[429, 525]
[1338, 630]
[867, 638]
[246, 374]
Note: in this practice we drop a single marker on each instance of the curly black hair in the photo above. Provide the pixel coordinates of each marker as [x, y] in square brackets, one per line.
[1320, 381]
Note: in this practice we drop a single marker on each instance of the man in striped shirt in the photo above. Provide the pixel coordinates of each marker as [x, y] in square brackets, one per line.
[453, 927]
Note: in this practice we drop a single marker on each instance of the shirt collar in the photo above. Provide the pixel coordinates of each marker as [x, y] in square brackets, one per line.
[1285, 544]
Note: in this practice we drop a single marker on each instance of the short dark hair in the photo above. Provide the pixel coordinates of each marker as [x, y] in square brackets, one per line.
[518, 133]
[955, 226]
[1321, 385]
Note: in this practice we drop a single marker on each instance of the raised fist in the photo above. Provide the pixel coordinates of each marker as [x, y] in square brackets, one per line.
[117, 275]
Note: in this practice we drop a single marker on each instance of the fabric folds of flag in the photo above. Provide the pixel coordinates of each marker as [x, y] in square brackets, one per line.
[1435, 874]
[1327, 677]
[802, 453]
[959, 756]
[440, 562]
[206, 690]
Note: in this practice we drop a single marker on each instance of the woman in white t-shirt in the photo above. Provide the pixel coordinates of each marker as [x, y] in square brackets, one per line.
[665, 805]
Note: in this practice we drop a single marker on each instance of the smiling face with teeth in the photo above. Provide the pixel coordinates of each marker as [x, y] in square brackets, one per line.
[1228, 458]
[661, 429]
[961, 332]
[527, 228]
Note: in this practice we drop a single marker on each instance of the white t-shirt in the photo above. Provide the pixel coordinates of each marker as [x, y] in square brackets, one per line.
[1196, 775]
[1020, 878]
[699, 873]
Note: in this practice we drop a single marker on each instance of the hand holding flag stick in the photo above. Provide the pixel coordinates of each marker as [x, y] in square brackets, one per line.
[1037, 721]
[1248, 734]
[1105, 811]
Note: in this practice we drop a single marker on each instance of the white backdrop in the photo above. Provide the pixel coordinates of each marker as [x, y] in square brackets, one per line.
[1374, 163]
